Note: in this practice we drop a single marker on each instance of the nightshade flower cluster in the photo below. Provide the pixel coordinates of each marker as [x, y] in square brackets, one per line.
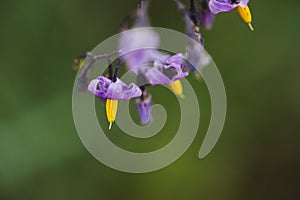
[139, 52]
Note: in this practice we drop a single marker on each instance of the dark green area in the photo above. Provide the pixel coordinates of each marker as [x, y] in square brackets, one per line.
[42, 157]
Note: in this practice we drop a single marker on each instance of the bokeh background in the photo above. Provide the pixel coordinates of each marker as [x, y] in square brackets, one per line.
[42, 157]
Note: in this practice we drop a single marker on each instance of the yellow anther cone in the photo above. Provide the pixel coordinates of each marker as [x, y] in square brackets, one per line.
[176, 87]
[111, 111]
[245, 14]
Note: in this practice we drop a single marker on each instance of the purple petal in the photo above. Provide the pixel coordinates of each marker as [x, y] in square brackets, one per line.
[175, 60]
[104, 88]
[157, 75]
[139, 46]
[217, 6]
[120, 91]
[154, 76]
[96, 87]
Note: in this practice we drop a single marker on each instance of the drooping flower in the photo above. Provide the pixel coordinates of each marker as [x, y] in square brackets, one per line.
[139, 45]
[112, 91]
[168, 70]
[143, 105]
[164, 71]
[217, 6]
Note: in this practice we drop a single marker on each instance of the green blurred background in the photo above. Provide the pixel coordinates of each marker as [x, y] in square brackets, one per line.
[42, 157]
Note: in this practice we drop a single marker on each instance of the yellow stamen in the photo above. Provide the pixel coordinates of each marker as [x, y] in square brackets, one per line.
[176, 87]
[245, 14]
[111, 111]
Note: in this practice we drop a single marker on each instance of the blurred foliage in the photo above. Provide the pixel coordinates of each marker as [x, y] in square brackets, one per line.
[41, 156]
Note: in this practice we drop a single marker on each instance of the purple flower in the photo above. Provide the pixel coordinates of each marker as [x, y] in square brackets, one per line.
[166, 70]
[217, 6]
[105, 88]
[144, 109]
[139, 46]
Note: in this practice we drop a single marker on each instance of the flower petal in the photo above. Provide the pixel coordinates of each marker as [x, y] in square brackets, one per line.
[154, 76]
[139, 46]
[96, 87]
[165, 70]
[217, 6]
[104, 88]
[120, 91]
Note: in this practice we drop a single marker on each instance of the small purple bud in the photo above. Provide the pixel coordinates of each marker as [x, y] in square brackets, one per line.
[144, 109]
[206, 19]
